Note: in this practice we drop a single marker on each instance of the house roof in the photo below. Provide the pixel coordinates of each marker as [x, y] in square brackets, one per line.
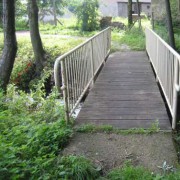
[109, 1]
[124, 1]
[143, 1]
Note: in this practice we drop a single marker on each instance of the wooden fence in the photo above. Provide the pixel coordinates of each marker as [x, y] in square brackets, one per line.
[166, 64]
[76, 70]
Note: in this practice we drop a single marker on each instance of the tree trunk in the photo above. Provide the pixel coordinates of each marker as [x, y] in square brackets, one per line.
[130, 20]
[10, 44]
[1, 13]
[139, 13]
[169, 24]
[39, 52]
[54, 12]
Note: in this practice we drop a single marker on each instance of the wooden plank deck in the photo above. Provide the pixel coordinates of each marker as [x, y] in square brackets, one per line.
[125, 95]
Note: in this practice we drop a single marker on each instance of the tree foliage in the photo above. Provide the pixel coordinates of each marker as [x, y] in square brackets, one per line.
[47, 5]
[175, 13]
[87, 14]
[51, 7]
[21, 9]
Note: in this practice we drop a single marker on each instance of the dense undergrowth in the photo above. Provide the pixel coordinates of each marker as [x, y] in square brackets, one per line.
[32, 134]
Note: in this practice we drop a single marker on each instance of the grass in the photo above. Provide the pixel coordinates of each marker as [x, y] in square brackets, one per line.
[133, 39]
[54, 46]
[90, 128]
[67, 27]
[129, 172]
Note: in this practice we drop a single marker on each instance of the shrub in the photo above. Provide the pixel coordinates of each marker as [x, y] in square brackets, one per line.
[87, 14]
[32, 133]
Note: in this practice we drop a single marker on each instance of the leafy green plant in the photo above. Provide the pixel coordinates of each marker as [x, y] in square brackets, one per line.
[87, 14]
[78, 168]
[32, 133]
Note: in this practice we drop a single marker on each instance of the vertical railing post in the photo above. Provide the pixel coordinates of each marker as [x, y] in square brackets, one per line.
[104, 48]
[157, 59]
[65, 90]
[92, 62]
[175, 94]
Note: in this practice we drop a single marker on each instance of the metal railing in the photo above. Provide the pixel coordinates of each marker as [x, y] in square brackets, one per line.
[166, 64]
[75, 71]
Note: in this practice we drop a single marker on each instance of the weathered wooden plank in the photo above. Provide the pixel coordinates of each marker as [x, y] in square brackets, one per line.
[125, 104]
[122, 83]
[111, 97]
[123, 113]
[124, 92]
[125, 95]
[126, 76]
[125, 87]
[114, 68]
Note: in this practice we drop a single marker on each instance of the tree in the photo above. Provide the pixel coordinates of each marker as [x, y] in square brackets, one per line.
[39, 52]
[10, 44]
[130, 20]
[51, 7]
[87, 14]
[169, 24]
[1, 13]
[139, 13]
[21, 9]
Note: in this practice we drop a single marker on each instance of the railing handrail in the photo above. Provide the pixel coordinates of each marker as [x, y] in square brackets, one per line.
[79, 67]
[166, 64]
[166, 44]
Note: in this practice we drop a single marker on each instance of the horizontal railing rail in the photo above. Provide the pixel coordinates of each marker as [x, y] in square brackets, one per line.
[166, 64]
[76, 70]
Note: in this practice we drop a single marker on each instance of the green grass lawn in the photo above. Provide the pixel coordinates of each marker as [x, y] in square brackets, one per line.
[133, 39]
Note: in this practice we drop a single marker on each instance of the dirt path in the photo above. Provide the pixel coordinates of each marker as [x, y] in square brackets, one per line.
[113, 150]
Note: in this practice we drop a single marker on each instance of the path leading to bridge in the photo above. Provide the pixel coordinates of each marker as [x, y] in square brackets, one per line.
[125, 95]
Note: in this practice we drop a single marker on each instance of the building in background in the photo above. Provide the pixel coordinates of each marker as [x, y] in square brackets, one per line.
[108, 8]
[116, 8]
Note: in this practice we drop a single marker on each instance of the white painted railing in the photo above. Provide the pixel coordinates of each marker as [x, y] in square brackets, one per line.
[76, 70]
[166, 63]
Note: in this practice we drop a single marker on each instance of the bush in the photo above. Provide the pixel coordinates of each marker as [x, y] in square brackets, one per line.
[32, 133]
[87, 14]
[22, 24]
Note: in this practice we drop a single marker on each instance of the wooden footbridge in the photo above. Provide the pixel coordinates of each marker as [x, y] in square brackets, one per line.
[123, 88]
